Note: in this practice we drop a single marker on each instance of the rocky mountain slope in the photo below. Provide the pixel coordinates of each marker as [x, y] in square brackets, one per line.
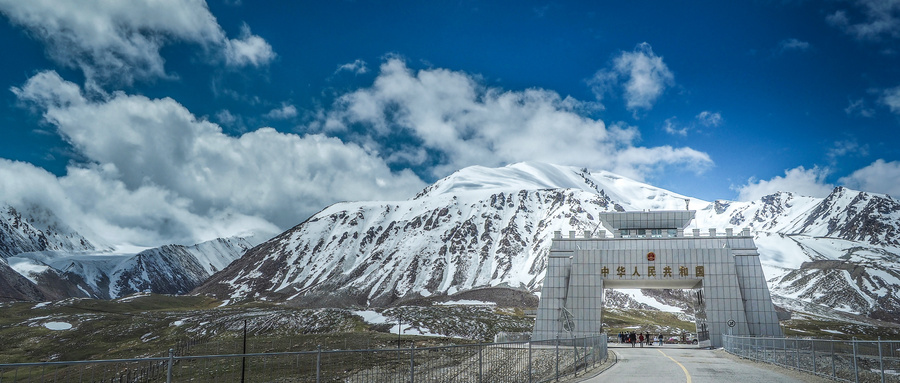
[37, 229]
[492, 227]
[170, 269]
[42, 258]
[478, 227]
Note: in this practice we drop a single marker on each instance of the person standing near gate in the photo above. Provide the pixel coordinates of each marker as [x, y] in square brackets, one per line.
[641, 339]
[632, 338]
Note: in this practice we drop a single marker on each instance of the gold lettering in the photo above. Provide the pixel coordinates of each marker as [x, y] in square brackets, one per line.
[604, 271]
[667, 271]
[682, 271]
[620, 271]
[635, 273]
[651, 271]
[698, 271]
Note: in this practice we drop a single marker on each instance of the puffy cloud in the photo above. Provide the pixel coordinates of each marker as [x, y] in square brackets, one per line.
[157, 171]
[879, 19]
[891, 98]
[671, 126]
[248, 50]
[709, 119]
[793, 44]
[644, 74]
[808, 182]
[879, 177]
[442, 120]
[121, 40]
[285, 112]
[357, 67]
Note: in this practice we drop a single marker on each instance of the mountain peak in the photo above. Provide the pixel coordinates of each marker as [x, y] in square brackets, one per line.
[529, 176]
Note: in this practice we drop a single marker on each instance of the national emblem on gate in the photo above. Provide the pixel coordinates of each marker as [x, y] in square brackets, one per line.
[651, 256]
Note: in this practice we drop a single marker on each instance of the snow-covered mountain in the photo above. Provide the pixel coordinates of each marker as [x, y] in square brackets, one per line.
[170, 269]
[841, 251]
[43, 258]
[492, 227]
[37, 229]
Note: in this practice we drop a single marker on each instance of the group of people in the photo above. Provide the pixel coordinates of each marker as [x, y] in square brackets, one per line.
[639, 338]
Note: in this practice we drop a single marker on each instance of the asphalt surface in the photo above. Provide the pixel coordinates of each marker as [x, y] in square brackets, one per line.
[673, 363]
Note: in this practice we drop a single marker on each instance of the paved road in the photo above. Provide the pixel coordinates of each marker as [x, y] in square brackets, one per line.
[685, 364]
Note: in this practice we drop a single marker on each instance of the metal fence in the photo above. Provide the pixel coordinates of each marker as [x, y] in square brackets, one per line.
[535, 361]
[841, 360]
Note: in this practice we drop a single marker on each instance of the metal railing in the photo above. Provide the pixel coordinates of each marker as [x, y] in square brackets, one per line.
[841, 360]
[533, 362]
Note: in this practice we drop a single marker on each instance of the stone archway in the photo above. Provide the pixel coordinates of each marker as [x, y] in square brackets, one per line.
[651, 250]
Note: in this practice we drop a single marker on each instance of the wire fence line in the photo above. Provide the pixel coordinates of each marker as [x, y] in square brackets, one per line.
[841, 360]
[528, 361]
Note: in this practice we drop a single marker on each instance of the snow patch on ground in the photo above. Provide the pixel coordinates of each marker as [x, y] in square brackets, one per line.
[466, 302]
[373, 317]
[58, 326]
[133, 297]
[833, 331]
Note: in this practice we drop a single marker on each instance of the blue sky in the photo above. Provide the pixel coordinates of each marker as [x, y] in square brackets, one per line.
[175, 121]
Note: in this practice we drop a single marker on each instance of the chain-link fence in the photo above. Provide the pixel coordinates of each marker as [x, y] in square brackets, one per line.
[535, 361]
[841, 360]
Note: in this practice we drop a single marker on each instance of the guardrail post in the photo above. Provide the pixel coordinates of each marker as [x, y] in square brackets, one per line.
[812, 346]
[480, 363]
[318, 363]
[880, 360]
[557, 358]
[832, 357]
[855, 365]
[530, 355]
[170, 363]
[412, 363]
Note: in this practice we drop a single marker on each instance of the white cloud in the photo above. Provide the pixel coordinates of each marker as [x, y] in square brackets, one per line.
[859, 107]
[793, 44]
[357, 67]
[645, 77]
[878, 177]
[285, 112]
[671, 126]
[704, 119]
[121, 40]
[709, 119]
[459, 122]
[156, 171]
[248, 50]
[880, 19]
[847, 148]
[808, 182]
[891, 98]
[225, 117]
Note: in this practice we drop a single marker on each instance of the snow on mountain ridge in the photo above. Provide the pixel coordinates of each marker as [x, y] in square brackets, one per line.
[484, 181]
[37, 229]
[492, 227]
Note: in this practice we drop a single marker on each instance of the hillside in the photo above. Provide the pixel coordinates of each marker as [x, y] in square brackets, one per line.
[492, 227]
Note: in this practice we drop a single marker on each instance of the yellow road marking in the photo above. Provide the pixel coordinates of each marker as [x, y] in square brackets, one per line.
[688, 376]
